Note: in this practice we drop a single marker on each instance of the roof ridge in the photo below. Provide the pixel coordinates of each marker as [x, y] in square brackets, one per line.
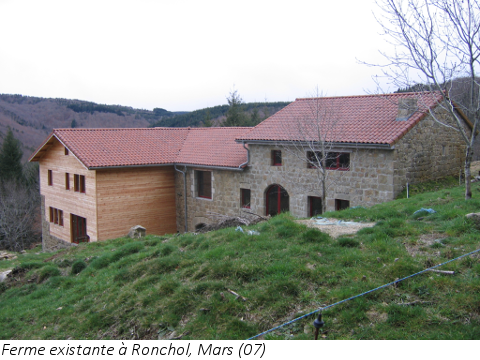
[368, 95]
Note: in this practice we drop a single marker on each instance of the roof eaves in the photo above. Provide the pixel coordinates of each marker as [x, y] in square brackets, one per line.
[30, 159]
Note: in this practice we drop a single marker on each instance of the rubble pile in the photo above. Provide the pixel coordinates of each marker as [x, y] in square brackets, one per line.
[7, 256]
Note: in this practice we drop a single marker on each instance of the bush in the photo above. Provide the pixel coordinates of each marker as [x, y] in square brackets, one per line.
[47, 272]
[78, 266]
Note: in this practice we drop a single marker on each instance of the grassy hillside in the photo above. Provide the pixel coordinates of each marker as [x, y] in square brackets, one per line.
[180, 286]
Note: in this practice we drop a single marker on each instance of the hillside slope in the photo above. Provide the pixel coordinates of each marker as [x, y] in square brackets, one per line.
[230, 285]
[32, 119]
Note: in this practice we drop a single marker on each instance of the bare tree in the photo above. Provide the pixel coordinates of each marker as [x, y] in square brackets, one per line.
[18, 213]
[316, 147]
[434, 43]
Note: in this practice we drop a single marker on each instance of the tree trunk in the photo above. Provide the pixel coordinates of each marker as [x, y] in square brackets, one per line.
[468, 182]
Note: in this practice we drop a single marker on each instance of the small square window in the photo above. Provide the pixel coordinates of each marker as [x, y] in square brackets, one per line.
[56, 216]
[276, 158]
[341, 204]
[314, 159]
[50, 178]
[245, 198]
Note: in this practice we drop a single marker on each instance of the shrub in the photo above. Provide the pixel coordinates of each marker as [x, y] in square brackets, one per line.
[78, 266]
[48, 271]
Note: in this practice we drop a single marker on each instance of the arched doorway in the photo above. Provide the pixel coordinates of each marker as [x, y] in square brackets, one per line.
[277, 200]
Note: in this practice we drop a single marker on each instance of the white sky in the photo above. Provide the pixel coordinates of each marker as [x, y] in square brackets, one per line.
[186, 55]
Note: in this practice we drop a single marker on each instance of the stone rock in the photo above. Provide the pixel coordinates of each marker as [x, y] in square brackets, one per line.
[476, 219]
[3, 275]
[137, 231]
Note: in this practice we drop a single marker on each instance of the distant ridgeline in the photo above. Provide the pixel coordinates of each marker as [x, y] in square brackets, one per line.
[255, 112]
[90, 107]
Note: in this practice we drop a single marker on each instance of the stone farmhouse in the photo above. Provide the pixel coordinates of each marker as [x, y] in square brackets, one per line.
[98, 183]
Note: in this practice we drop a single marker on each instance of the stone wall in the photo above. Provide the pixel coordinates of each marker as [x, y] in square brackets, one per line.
[368, 181]
[50, 242]
[429, 151]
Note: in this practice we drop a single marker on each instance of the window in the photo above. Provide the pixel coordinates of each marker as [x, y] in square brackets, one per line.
[66, 151]
[245, 198]
[276, 158]
[79, 183]
[56, 216]
[200, 226]
[67, 181]
[315, 205]
[341, 204]
[50, 178]
[204, 184]
[333, 160]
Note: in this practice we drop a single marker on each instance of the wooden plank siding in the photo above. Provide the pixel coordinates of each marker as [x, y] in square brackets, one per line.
[136, 196]
[69, 201]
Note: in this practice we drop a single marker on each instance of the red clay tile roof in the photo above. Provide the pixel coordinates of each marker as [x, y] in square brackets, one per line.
[153, 146]
[214, 147]
[369, 119]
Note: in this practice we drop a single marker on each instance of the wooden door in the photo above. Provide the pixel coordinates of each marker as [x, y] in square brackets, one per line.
[78, 226]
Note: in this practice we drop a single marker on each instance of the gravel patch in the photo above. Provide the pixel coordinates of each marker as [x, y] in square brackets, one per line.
[337, 230]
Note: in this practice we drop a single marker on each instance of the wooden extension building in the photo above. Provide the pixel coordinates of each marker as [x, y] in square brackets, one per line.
[96, 184]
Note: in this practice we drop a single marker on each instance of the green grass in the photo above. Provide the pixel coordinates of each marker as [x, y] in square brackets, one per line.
[146, 289]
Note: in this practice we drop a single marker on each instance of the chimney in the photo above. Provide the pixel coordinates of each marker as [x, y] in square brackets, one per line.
[406, 108]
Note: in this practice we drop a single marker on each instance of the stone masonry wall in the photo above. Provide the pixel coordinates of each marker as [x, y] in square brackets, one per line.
[369, 181]
[429, 151]
[50, 242]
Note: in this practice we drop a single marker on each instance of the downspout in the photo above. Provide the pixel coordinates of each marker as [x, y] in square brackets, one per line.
[184, 192]
[248, 156]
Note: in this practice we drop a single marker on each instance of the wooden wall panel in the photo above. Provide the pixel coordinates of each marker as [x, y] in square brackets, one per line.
[136, 196]
[69, 201]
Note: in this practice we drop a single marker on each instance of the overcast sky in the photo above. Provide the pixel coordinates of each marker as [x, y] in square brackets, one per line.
[186, 55]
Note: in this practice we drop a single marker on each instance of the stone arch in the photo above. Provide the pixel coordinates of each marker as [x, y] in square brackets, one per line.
[277, 200]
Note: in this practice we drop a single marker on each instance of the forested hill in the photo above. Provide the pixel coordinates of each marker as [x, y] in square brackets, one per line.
[252, 113]
[33, 118]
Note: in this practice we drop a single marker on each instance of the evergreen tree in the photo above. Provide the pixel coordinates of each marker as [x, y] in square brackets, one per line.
[73, 124]
[235, 114]
[255, 117]
[10, 158]
[207, 122]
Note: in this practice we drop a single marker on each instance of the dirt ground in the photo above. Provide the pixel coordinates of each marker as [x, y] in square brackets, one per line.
[336, 231]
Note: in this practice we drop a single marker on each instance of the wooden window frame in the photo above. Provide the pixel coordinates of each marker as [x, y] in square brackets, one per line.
[340, 204]
[79, 183]
[50, 178]
[67, 181]
[276, 157]
[310, 205]
[245, 198]
[332, 157]
[204, 186]
[56, 216]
